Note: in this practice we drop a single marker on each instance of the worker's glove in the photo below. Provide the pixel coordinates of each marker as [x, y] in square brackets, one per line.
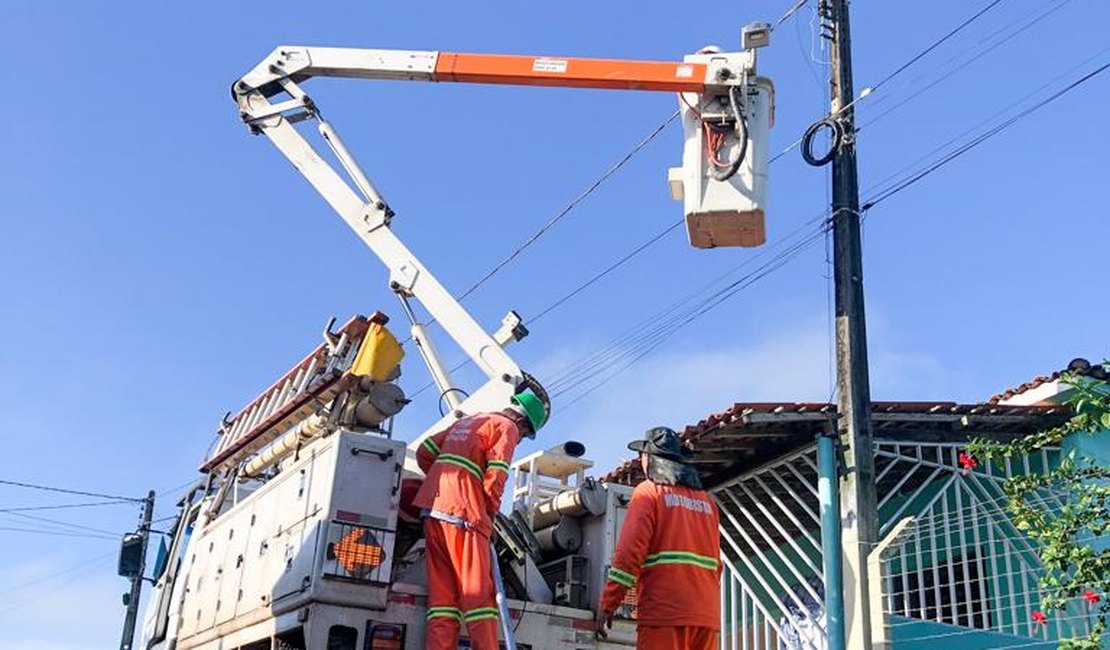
[603, 622]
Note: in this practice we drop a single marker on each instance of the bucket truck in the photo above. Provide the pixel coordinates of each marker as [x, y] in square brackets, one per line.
[300, 534]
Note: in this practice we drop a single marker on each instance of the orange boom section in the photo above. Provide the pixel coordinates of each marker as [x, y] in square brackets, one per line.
[570, 72]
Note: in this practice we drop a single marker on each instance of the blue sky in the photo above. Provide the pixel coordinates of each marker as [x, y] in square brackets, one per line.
[159, 265]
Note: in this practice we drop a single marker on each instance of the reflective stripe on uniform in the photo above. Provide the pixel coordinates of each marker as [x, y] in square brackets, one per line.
[621, 577]
[463, 462]
[445, 612]
[681, 557]
[480, 614]
[431, 446]
[498, 465]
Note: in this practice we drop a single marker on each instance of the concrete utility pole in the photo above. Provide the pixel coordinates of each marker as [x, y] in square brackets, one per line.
[858, 508]
[137, 580]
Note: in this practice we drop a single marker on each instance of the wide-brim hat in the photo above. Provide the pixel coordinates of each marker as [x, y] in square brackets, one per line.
[663, 442]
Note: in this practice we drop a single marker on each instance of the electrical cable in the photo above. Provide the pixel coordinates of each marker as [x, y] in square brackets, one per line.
[580, 288]
[789, 13]
[65, 506]
[654, 339]
[60, 585]
[870, 204]
[173, 490]
[41, 579]
[612, 170]
[975, 142]
[920, 89]
[869, 91]
[935, 44]
[573, 204]
[57, 522]
[48, 488]
[58, 533]
[650, 329]
[734, 165]
[836, 130]
[659, 320]
[671, 313]
[661, 334]
[607, 270]
[716, 137]
[879, 184]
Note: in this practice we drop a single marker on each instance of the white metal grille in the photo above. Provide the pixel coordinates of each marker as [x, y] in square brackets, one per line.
[772, 586]
[952, 556]
[958, 558]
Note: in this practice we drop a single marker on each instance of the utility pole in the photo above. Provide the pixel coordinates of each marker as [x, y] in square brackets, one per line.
[858, 507]
[137, 580]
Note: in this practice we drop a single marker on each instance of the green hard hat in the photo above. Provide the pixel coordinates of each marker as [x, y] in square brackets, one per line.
[533, 408]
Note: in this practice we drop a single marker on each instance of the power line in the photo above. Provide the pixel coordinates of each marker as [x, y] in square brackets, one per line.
[609, 269]
[41, 579]
[670, 314]
[580, 288]
[58, 533]
[920, 89]
[869, 92]
[656, 326]
[48, 488]
[982, 138]
[645, 343]
[65, 506]
[57, 522]
[614, 353]
[184, 484]
[789, 12]
[573, 204]
[879, 184]
[935, 44]
[661, 334]
[65, 583]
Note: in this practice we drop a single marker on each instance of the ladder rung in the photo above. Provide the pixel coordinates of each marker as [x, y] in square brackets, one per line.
[240, 425]
[232, 435]
[251, 418]
[285, 392]
[268, 404]
[294, 388]
[309, 374]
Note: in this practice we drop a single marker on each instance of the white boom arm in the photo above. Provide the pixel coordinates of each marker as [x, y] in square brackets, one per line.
[367, 213]
[721, 207]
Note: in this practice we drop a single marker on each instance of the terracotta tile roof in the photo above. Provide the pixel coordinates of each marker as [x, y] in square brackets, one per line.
[1079, 366]
[1036, 382]
[749, 434]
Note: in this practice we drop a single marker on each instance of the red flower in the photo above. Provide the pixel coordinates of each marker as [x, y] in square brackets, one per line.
[1039, 618]
[1091, 597]
[967, 462]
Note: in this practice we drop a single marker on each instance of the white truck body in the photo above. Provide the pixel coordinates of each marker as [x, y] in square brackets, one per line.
[264, 573]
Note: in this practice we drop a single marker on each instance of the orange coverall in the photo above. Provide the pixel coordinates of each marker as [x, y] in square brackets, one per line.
[467, 466]
[669, 552]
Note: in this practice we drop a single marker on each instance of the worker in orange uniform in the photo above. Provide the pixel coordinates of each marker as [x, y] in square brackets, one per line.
[668, 551]
[467, 466]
